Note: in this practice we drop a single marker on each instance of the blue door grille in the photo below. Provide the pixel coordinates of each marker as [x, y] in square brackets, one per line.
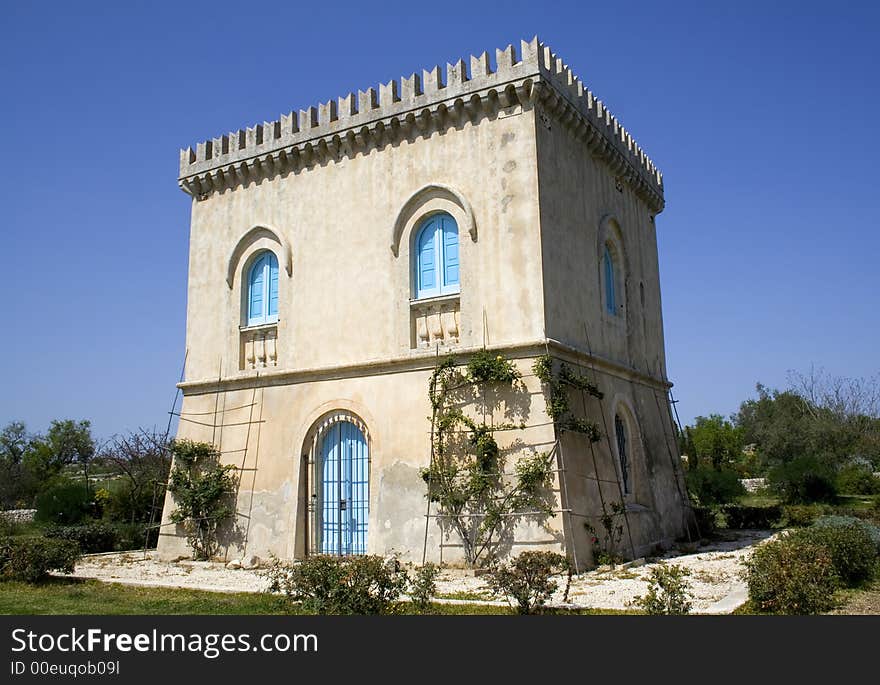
[343, 490]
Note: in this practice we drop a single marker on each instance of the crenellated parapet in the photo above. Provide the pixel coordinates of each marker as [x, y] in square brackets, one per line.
[417, 106]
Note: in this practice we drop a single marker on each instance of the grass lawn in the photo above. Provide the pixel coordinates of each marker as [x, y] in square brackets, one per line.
[70, 596]
[66, 596]
[857, 502]
[758, 499]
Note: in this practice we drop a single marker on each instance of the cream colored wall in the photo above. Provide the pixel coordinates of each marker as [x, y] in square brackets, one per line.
[654, 513]
[394, 407]
[344, 325]
[347, 300]
[580, 204]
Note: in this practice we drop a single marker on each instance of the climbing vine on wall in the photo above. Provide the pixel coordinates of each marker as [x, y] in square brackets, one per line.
[558, 385]
[558, 404]
[203, 491]
[477, 499]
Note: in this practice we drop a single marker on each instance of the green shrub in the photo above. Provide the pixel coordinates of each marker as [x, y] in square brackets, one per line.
[99, 536]
[707, 519]
[668, 592]
[64, 502]
[857, 479]
[9, 527]
[204, 494]
[124, 504]
[852, 550]
[740, 516]
[31, 558]
[799, 515]
[872, 530]
[423, 587]
[91, 537]
[803, 480]
[528, 579]
[709, 485]
[339, 585]
[131, 536]
[791, 575]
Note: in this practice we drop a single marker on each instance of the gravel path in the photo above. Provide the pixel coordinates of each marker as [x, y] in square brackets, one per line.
[715, 570]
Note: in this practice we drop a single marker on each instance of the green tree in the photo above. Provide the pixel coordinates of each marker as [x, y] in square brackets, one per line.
[716, 440]
[16, 485]
[66, 442]
[780, 424]
[830, 419]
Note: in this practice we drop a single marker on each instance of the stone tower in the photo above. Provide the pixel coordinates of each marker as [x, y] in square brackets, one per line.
[336, 252]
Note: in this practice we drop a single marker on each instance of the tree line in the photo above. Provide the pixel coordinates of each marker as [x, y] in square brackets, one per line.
[68, 477]
[818, 437]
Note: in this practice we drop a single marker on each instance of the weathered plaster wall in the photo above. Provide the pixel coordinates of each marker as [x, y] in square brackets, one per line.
[582, 204]
[347, 300]
[394, 407]
[654, 514]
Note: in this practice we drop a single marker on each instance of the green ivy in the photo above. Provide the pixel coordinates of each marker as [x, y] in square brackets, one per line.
[484, 367]
[465, 477]
[557, 398]
[570, 378]
[202, 489]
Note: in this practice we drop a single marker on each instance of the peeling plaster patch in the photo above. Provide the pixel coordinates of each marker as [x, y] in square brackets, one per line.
[401, 499]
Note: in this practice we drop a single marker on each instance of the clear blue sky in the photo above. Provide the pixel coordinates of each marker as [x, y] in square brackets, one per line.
[762, 116]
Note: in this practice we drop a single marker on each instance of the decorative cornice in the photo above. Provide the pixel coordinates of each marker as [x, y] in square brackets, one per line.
[415, 107]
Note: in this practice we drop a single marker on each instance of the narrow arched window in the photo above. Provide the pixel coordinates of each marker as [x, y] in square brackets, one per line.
[620, 430]
[262, 301]
[436, 267]
[610, 294]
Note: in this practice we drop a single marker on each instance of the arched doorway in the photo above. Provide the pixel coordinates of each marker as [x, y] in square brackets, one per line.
[341, 484]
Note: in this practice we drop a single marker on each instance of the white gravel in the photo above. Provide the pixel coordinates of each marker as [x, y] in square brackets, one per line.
[715, 574]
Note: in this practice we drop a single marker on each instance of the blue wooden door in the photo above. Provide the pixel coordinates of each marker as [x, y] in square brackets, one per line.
[344, 490]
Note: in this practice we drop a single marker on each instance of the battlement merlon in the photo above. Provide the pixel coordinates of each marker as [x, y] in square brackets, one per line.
[342, 126]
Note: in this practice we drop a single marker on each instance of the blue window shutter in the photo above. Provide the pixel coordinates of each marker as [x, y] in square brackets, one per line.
[427, 260]
[610, 295]
[331, 491]
[272, 313]
[344, 498]
[450, 251]
[256, 284]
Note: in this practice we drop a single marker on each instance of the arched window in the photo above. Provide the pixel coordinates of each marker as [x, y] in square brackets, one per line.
[610, 294]
[262, 296]
[622, 454]
[435, 257]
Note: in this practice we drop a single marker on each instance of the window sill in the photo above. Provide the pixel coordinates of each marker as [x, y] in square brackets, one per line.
[258, 346]
[258, 327]
[437, 299]
[435, 321]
